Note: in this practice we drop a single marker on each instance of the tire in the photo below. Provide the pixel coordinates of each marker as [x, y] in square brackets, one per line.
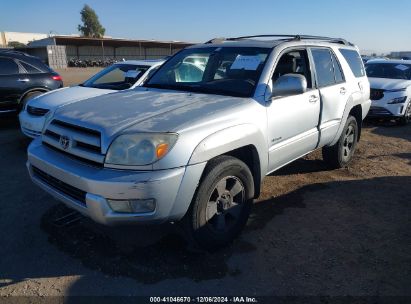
[26, 98]
[403, 121]
[340, 154]
[221, 205]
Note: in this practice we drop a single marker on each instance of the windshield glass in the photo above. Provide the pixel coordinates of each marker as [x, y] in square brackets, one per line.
[117, 77]
[389, 70]
[215, 70]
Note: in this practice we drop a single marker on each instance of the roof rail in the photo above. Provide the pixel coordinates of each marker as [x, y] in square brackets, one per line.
[287, 37]
[13, 51]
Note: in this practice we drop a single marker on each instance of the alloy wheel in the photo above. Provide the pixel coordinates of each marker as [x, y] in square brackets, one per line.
[348, 143]
[225, 203]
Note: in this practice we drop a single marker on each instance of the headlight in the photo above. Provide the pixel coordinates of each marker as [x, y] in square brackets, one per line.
[398, 100]
[140, 149]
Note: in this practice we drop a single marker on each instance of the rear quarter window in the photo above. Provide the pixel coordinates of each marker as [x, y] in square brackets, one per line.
[354, 61]
[30, 68]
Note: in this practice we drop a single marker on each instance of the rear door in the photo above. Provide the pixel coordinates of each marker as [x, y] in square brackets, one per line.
[11, 85]
[333, 92]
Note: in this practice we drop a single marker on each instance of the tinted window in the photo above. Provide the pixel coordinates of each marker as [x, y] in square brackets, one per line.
[354, 61]
[324, 67]
[29, 68]
[8, 66]
[389, 70]
[337, 70]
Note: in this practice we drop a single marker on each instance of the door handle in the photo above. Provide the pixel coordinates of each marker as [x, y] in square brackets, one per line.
[23, 80]
[342, 91]
[313, 98]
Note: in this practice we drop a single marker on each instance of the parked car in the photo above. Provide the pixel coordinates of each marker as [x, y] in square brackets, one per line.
[120, 76]
[390, 82]
[23, 77]
[194, 151]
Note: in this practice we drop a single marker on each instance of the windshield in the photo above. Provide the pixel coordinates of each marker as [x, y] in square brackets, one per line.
[117, 77]
[389, 70]
[232, 71]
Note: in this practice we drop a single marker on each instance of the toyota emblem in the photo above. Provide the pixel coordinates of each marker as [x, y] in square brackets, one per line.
[64, 142]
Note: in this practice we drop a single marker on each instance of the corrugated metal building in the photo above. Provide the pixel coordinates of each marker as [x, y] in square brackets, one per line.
[57, 51]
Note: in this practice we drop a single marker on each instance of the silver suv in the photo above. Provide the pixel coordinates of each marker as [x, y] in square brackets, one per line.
[194, 143]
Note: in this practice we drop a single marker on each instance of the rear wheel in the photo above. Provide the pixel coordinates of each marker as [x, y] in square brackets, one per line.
[407, 115]
[222, 203]
[340, 154]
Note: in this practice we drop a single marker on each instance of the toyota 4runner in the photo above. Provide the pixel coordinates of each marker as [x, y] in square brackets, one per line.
[194, 143]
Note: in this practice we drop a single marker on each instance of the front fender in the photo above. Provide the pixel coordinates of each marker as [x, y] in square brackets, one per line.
[230, 139]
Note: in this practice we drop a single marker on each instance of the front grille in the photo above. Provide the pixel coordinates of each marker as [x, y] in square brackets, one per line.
[80, 142]
[376, 94]
[379, 111]
[76, 194]
[36, 111]
[83, 160]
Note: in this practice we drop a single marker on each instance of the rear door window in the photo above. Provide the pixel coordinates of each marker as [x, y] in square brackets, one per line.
[324, 67]
[8, 66]
[339, 76]
[354, 61]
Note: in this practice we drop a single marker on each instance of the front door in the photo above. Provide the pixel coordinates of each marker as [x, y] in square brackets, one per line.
[293, 120]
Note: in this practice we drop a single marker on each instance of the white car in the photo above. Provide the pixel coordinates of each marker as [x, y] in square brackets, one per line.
[120, 76]
[390, 82]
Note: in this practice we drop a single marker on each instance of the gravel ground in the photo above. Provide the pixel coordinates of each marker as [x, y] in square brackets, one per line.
[312, 232]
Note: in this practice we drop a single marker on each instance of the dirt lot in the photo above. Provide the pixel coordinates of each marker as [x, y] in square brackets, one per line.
[312, 232]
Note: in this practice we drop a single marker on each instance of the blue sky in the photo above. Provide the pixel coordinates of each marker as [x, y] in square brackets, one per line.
[377, 25]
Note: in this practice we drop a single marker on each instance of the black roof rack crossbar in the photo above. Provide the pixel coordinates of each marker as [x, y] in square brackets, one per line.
[287, 37]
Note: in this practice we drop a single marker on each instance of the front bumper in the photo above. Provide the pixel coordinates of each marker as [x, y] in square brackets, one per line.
[30, 125]
[382, 108]
[86, 188]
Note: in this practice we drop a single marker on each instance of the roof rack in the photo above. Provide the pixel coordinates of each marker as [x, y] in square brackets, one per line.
[286, 37]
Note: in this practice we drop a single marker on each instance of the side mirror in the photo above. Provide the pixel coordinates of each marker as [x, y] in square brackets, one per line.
[289, 84]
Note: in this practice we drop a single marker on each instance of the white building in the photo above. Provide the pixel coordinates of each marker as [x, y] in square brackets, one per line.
[7, 37]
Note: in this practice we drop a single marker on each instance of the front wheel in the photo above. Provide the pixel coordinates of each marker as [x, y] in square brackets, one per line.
[340, 154]
[222, 203]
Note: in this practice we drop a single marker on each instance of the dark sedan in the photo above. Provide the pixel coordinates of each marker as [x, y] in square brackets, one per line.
[23, 77]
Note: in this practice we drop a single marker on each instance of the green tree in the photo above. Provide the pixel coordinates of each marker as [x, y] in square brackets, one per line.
[16, 44]
[91, 26]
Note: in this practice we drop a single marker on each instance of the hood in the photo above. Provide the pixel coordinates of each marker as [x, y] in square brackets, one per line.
[65, 95]
[388, 84]
[144, 110]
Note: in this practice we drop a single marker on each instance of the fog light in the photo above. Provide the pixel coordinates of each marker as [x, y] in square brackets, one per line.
[133, 206]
